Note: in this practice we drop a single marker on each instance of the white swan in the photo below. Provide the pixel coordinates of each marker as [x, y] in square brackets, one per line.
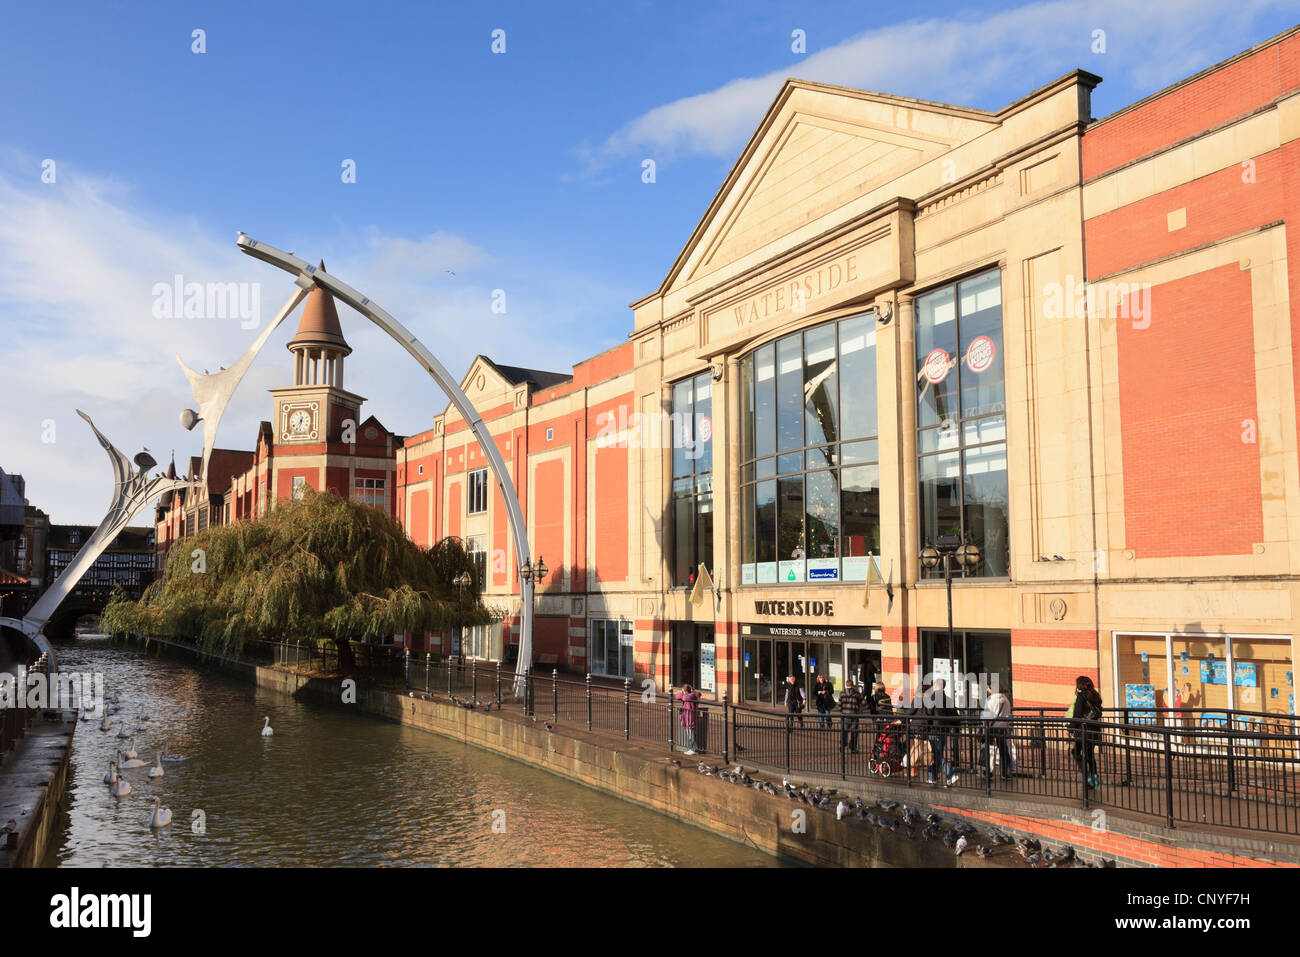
[157, 770]
[139, 725]
[111, 776]
[123, 733]
[121, 788]
[130, 763]
[266, 727]
[171, 757]
[104, 724]
[130, 753]
[162, 816]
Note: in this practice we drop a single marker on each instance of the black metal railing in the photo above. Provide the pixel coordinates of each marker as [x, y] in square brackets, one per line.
[1238, 771]
[1221, 775]
[15, 717]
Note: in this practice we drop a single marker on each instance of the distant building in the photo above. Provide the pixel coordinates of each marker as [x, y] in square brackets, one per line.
[128, 561]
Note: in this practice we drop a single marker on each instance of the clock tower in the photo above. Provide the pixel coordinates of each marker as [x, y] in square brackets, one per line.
[315, 409]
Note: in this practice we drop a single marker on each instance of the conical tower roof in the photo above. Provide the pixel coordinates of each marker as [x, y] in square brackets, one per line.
[319, 325]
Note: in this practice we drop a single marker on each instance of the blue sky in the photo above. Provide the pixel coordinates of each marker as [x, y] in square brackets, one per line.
[518, 171]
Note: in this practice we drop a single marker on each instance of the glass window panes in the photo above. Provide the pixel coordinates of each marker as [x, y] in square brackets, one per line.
[810, 389]
[610, 647]
[692, 488]
[477, 491]
[961, 425]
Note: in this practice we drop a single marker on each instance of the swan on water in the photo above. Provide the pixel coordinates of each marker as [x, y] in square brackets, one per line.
[130, 752]
[123, 733]
[121, 788]
[266, 727]
[162, 816]
[171, 757]
[111, 776]
[130, 763]
[157, 770]
[104, 725]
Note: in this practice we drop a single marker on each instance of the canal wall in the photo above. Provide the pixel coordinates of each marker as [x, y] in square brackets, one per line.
[32, 784]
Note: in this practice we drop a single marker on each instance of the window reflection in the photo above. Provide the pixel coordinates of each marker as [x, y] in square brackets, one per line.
[961, 426]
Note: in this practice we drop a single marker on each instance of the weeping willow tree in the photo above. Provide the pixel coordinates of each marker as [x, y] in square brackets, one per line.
[319, 568]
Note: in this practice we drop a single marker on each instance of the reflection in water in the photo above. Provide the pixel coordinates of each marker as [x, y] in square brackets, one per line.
[330, 789]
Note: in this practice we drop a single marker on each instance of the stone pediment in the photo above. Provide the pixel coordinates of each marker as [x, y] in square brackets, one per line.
[820, 149]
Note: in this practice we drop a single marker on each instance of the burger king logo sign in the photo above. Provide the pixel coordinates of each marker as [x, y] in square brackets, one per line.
[936, 366]
[979, 354]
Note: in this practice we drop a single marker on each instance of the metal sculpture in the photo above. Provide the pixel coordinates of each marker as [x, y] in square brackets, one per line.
[306, 277]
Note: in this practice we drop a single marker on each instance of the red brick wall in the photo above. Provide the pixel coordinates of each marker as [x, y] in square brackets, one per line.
[609, 506]
[1186, 384]
[419, 511]
[548, 517]
[1218, 205]
[453, 509]
[1233, 91]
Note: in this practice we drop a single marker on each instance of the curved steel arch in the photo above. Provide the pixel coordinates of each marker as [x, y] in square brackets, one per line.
[306, 276]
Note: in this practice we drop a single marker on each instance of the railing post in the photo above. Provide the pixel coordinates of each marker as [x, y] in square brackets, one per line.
[844, 771]
[726, 730]
[428, 663]
[672, 738]
[448, 676]
[986, 759]
[498, 685]
[588, 700]
[789, 727]
[627, 709]
[473, 680]
[907, 747]
[1169, 782]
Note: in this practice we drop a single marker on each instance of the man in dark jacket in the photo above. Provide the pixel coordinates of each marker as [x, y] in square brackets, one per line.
[942, 720]
[794, 699]
[850, 707]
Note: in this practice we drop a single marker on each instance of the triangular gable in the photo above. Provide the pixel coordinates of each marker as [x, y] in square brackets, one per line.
[818, 149]
[486, 387]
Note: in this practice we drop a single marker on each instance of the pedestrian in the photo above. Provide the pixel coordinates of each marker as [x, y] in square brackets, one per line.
[824, 692]
[997, 712]
[688, 697]
[883, 703]
[850, 707]
[794, 699]
[1084, 712]
[939, 717]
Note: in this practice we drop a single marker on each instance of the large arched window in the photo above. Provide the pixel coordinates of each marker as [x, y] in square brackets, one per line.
[810, 478]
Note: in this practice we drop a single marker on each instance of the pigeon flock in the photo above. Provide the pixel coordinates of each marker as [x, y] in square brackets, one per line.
[908, 822]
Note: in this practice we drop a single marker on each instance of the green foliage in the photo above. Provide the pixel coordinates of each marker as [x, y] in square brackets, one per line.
[320, 567]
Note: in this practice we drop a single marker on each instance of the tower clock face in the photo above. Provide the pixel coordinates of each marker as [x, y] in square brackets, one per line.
[299, 421]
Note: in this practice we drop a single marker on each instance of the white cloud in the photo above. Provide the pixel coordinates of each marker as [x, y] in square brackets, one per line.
[963, 60]
[79, 260]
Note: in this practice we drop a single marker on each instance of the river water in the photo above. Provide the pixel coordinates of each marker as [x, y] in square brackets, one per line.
[329, 789]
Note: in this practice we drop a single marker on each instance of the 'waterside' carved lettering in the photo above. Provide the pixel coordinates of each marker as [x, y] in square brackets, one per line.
[801, 290]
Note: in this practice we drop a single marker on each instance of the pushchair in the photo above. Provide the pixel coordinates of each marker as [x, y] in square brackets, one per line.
[887, 753]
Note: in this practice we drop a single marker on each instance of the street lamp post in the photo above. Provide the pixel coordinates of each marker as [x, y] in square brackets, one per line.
[949, 547]
[533, 575]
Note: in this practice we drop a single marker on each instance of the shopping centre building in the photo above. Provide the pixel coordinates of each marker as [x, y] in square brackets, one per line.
[1065, 341]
